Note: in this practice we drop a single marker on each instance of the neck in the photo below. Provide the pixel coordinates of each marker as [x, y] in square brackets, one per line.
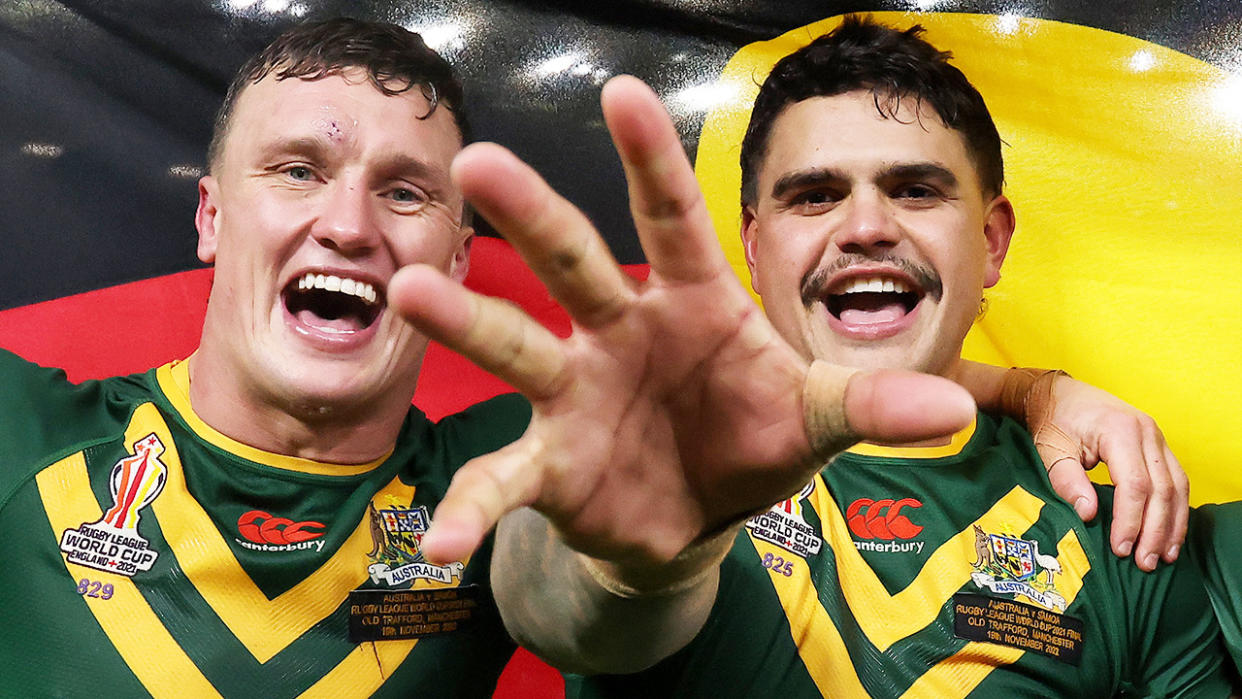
[353, 434]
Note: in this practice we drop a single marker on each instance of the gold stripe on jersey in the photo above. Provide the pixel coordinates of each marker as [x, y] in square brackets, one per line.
[151, 653]
[886, 619]
[174, 381]
[960, 673]
[263, 626]
[956, 443]
[365, 668]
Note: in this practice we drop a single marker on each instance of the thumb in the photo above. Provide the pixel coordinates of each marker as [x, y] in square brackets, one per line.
[843, 406]
[1071, 483]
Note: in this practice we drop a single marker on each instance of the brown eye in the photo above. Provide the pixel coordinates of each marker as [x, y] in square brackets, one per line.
[814, 200]
[915, 191]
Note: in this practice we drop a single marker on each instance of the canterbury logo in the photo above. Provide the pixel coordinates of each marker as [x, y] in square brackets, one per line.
[882, 519]
[262, 528]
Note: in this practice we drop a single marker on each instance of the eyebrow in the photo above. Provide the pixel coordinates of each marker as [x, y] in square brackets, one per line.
[803, 179]
[312, 146]
[820, 176]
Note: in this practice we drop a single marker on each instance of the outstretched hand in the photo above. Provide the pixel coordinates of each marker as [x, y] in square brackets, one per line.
[674, 408]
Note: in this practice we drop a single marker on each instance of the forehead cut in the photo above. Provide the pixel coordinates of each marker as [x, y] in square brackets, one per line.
[335, 116]
[321, 115]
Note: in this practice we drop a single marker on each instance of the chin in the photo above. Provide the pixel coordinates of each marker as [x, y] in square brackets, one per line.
[320, 388]
[878, 355]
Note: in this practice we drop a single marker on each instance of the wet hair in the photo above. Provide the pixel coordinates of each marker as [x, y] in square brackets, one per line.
[893, 65]
[396, 60]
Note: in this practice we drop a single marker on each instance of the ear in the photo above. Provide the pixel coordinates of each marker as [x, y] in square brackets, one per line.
[460, 264]
[750, 243]
[205, 218]
[998, 227]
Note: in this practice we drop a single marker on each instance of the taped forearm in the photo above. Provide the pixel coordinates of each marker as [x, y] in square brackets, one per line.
[984, 382]
[589, 617]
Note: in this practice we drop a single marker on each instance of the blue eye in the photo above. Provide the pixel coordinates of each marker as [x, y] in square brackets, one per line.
[408, 196]
[299, 172]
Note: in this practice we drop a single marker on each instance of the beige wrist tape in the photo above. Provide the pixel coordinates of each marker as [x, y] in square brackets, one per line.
[823, 408]
[1026, 395]
[687, 570]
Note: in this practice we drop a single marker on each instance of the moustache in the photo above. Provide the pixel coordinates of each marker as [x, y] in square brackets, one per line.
[815, 284]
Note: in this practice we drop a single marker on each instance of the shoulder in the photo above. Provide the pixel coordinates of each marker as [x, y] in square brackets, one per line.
[492, 423]
[42, 414]
[480, 429]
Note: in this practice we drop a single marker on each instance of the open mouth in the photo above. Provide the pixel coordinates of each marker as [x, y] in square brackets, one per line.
[873, 300]
[331, 303]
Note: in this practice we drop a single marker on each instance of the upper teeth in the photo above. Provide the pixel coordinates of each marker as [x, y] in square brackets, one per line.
[874, 285]
[328, 282]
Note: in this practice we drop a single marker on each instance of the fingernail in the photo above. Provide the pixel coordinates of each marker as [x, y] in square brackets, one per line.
[1080, 506]
[1151, 560]
[1125, 548]
[1173, 551]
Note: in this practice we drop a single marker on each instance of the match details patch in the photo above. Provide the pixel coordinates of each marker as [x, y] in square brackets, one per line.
[113, 543]
[394, 615]
[1018, 625]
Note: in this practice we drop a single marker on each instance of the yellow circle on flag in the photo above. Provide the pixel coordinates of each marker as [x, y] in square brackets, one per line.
[1123, 161]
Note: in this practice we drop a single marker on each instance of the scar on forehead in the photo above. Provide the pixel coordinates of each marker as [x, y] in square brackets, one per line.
[334, 127]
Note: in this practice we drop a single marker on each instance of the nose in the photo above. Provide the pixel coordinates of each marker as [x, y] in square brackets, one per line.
[346, 222]
[868, 225]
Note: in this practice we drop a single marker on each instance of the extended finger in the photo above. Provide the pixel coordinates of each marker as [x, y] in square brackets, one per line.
[1159, 516]
[551, 234]
[668, 207]
[1181, 505]
[496, 335]
[1122, 450]
[482, 491]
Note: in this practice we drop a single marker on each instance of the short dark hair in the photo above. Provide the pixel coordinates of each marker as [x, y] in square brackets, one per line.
[396, 60]
[893, 64]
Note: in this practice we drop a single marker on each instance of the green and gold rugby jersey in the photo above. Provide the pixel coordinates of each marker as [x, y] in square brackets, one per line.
[1214, 543]
[939, 572]
[145, 553]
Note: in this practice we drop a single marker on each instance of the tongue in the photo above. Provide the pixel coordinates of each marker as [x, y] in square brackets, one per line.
[871, 311]
[344, 324]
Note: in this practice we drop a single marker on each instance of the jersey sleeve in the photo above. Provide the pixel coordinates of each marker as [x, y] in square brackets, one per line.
[483, 428]
[43, 415]
[1213, 546]
[33, 402]
[1174, 639]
